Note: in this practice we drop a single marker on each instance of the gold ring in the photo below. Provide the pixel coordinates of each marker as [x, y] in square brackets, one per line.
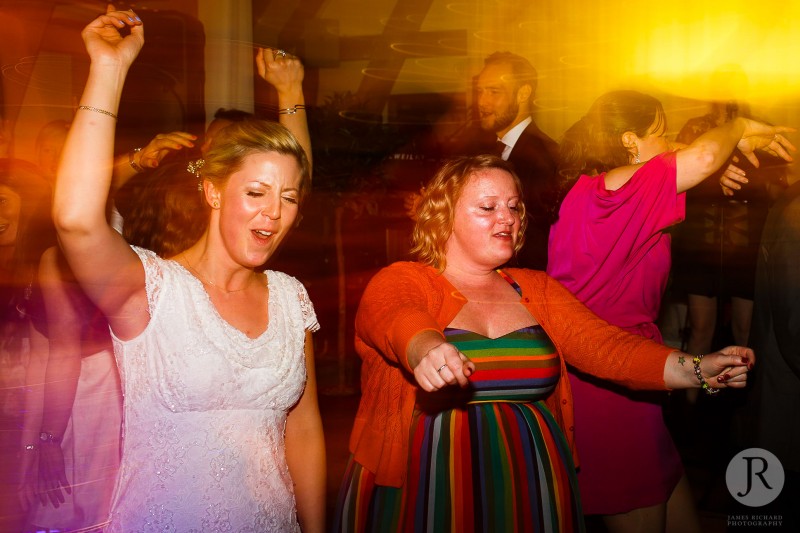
[441, 367]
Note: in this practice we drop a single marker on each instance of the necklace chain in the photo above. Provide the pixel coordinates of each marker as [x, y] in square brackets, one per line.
[206, 280]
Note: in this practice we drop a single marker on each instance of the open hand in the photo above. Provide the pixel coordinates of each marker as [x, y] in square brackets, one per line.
[770, 139]
[52, 475]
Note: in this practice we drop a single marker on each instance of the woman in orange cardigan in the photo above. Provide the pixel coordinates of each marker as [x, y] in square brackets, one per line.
[465, 421]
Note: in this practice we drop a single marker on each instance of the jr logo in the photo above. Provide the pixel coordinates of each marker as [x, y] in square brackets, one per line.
[754, 477]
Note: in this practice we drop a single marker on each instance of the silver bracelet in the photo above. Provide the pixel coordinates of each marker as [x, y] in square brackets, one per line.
[291, 110]
[98, 110]
[133, 163]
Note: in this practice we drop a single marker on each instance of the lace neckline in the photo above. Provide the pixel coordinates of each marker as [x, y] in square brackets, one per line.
[197, 284]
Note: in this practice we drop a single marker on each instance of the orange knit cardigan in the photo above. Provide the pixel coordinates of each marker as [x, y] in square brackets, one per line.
[407, 298]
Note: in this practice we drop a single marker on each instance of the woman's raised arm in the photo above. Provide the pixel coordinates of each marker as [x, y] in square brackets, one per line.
[711, 150]
[107, 269]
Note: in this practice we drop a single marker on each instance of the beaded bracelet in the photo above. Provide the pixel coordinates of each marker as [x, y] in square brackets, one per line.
[703, 384]
[291, 110]
[135, 166]
[98, 110]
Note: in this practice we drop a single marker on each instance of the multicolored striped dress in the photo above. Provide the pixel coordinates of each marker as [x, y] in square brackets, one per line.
[487, 458]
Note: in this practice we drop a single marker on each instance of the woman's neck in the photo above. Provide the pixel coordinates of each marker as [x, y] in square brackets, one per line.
[223, 275]
[470, 277]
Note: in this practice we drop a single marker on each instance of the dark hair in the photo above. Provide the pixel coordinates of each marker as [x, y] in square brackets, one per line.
[233, 115]
[594, 144]
[167, 213]
[35, 233]
[436, 208]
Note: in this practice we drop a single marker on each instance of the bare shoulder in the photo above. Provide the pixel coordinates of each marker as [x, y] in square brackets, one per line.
[616, 178]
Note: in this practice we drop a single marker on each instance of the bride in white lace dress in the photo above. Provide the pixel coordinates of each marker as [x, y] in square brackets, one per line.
[221, 427]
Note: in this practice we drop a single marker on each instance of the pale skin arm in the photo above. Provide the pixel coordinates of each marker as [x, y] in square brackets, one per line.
[427, 352]
[107, 269]
[711, 150]
[725, 368]
[286, 75]
[32, 422]
[305, 451]
[61, 380]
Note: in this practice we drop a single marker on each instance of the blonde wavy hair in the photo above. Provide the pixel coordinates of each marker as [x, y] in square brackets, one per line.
[436, 209]
[235, 142]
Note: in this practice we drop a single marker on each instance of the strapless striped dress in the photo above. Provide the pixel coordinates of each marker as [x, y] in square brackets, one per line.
[489, 458]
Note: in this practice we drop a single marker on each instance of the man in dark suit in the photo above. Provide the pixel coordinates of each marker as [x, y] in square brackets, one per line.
[505, 91]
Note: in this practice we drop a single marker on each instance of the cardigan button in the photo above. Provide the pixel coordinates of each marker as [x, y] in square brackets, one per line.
[564, 402]
[526, 300]
[572, 428]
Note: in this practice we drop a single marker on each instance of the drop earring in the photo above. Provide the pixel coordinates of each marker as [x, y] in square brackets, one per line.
[636, 159]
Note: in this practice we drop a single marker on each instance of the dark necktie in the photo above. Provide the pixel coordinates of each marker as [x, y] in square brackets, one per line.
[499, 147]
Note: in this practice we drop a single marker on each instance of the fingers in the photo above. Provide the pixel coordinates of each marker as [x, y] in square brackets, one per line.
[443, 366]
[279, 68]
[274, 55]
[780, 146]
[162, 144]
[752, 158]
[732, 180]
[119, 19]
[729, 367]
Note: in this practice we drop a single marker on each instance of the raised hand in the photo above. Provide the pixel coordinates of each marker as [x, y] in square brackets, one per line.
[104, 42]
[281, 70]
[159, 146]
[760, 136]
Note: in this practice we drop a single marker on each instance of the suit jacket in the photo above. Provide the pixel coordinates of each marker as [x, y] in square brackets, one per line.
[774, 403]
[534, 159]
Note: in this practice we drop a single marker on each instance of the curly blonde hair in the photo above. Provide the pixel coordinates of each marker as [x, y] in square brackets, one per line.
[436, 209]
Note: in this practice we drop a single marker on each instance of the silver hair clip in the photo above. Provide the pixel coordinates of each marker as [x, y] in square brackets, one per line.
[194, 167]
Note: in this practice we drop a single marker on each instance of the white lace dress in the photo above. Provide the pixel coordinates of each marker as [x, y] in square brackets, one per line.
[205, 410]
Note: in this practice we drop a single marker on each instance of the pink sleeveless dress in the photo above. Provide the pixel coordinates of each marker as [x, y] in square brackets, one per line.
[611, 250]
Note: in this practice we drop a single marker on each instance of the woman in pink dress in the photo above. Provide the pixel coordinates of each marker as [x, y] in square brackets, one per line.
[610, 248]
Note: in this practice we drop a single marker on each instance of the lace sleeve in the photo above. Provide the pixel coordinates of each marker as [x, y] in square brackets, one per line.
[153, 275]
[306, 307]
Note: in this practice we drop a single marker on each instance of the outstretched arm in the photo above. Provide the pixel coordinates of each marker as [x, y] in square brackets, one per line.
[305, 451]
[107, 269]
[285, 73]
[712, 149]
